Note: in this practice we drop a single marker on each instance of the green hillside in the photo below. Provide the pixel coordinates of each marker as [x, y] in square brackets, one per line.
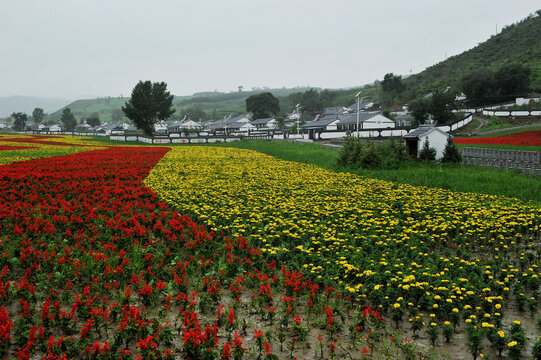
[215, 104]
[516, 43]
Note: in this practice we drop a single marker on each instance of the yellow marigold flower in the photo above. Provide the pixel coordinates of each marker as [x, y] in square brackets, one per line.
[501, 333]
[512, 343]
[516, 322]
[447, 323]
[396, 305]
[498, 306]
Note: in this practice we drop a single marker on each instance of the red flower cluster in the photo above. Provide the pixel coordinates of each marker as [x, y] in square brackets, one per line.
[525, 138]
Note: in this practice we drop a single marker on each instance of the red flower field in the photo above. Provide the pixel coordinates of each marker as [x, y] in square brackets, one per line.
[94, 266]
[525, 138]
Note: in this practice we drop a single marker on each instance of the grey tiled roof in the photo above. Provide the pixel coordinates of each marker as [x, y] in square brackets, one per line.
[420, 131]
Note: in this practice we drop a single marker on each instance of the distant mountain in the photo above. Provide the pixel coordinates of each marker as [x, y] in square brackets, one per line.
[27, 104]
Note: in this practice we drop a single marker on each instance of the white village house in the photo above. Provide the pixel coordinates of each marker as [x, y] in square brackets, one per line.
[436, 137]
[366, 121]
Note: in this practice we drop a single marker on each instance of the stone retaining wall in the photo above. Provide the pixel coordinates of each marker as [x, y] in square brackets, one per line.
[525, 161]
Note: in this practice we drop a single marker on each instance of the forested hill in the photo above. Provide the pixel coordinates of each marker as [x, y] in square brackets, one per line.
[516, 43]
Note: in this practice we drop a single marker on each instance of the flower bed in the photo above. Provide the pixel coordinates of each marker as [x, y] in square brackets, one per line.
[525, 138]
[93, 266]
[402, 249]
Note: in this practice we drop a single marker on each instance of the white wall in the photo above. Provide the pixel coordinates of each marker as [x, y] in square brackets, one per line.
[378, 122]
[436, 140]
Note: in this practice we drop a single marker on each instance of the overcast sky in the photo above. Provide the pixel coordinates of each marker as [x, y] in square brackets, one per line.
[73, 49]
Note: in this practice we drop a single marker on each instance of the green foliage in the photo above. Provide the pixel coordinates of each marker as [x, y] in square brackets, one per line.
[263, 105]
[391, 86]
[281, 121]
[420, 110]
[19, 121]
[194, 113]
[442, 105]
[149, 103]
[451, 153]
[68, 119]
[487, 86]
[38, 114]
[427, 153]
[93, 120]
[358, 153]
[536, 350]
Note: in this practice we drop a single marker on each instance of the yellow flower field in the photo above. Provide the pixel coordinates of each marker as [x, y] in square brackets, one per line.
[380, 241]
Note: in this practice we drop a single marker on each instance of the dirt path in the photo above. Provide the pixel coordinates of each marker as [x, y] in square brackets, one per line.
[487, 132]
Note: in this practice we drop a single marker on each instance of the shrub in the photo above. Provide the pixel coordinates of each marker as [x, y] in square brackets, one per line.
[427, 153]
[371, 154]
[451, 153]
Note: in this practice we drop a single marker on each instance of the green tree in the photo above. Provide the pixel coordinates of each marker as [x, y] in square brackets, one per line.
[93, 120]
[451, 153]
[38, 114]
[262, 105]
[68, 119]
[280, 121]
[194, 113]
[117, 115]
[512, 80]
[427, 153]
[19, 121]
[149, 103]
[478, 87]
[442, 105]
[420, 110]
[391, 86]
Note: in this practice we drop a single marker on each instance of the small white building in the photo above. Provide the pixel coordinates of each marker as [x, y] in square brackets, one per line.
[436, 137]
[55, 128]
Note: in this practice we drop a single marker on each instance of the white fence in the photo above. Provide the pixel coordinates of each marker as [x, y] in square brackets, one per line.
[506, 113]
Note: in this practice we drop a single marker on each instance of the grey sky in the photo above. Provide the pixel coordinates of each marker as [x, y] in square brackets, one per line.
[75, 49]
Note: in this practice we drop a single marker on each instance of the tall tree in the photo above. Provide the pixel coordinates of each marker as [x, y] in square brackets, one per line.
[93, 120]
[149, 103]
[442, 105]
[391, 86]
[262, 105]
[68, 119]
[38, 114]
[19, 121]
[420, 110]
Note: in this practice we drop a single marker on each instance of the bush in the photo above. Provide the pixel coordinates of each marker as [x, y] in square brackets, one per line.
[451, 153]
[427, 153]
[370, 154]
